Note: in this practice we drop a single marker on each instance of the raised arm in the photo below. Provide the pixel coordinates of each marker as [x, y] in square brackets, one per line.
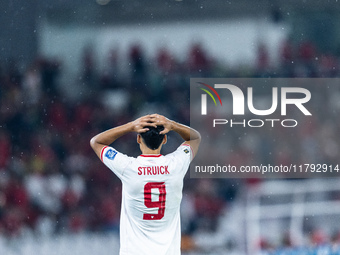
[189, 135]
[109, 136]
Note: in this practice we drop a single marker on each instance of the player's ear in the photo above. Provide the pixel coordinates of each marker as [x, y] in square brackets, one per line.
[139, 139]
[165, 139]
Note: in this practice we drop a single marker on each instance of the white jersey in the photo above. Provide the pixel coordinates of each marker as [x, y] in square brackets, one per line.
[151, 197]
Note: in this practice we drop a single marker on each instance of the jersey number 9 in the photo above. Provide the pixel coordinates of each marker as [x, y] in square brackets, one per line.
[160, 204]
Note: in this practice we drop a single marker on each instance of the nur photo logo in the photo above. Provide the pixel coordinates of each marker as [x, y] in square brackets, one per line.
[280, 97]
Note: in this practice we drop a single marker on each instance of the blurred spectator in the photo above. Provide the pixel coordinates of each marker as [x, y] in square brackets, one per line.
[49, 74]
[198, 61]
[88, 71]
[5, 149]
[262, 58]
[138, 68]
[165, 61]
[208, 205]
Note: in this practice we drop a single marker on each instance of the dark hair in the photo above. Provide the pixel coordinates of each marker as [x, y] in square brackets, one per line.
[152, 138]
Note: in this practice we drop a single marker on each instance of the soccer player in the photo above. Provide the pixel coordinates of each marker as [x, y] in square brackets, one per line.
[152, 183]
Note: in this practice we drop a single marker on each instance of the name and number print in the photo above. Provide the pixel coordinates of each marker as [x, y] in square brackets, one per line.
[148, 202]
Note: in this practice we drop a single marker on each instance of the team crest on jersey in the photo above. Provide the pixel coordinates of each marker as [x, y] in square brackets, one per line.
[186, 151]
[110, 154]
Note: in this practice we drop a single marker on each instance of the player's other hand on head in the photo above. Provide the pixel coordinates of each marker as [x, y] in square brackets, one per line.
[140, 125]
[160, 120]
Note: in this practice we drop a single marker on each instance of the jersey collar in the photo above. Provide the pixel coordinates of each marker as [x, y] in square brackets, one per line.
[151, 155]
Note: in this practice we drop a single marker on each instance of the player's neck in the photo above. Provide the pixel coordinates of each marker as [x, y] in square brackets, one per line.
[147, 151]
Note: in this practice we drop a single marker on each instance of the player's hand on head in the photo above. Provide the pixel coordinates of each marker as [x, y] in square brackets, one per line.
[140, 125]
[160, 120]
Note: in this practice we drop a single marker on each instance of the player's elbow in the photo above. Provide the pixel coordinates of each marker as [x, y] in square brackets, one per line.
[198, 139]
[93, 142]
[195, 136]
[199, 136]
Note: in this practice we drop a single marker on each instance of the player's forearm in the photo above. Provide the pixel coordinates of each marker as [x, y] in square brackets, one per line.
[109, 136]
[187, 133]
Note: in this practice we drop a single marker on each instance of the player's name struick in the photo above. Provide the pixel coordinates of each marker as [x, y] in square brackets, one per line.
[153, 170]
[255, 122]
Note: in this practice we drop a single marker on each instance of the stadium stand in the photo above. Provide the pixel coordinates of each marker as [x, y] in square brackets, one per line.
[52, 186]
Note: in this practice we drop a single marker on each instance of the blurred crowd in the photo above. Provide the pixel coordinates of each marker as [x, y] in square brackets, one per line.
[52, 182]
[318, 242]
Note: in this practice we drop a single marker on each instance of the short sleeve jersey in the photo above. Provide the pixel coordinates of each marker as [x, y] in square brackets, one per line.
[151, 196]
